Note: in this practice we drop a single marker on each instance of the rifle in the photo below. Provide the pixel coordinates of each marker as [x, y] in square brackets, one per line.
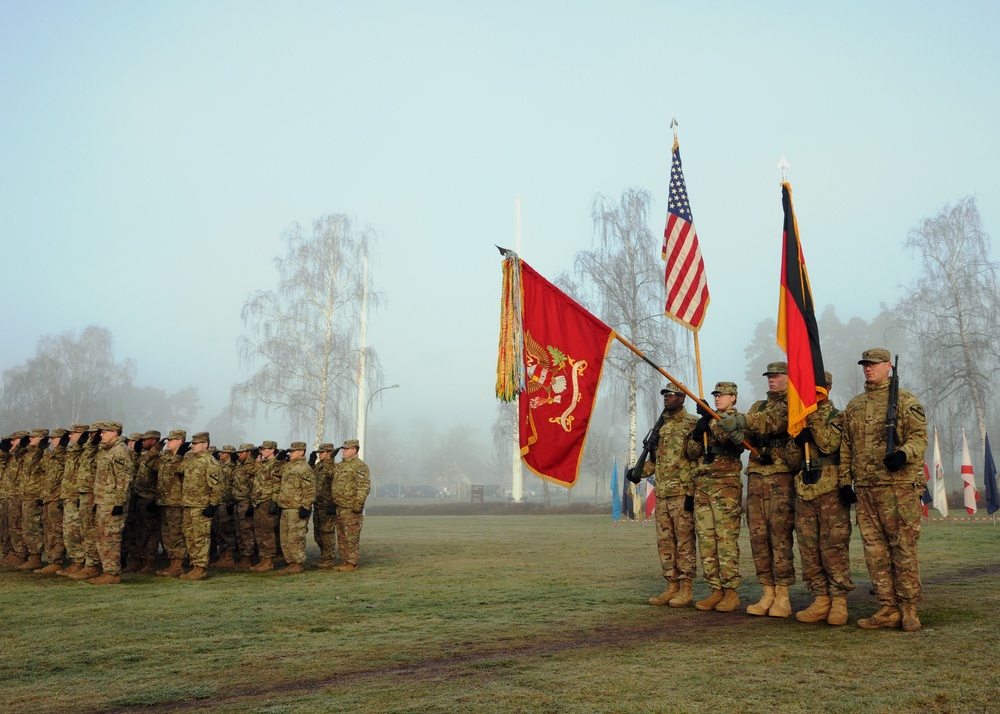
[891, 412]
[649, 444]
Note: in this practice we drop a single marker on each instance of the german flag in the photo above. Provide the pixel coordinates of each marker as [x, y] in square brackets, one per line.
[798, 334]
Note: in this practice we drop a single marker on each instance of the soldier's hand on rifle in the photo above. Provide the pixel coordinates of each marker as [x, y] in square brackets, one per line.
[894, 461]
[633, 475]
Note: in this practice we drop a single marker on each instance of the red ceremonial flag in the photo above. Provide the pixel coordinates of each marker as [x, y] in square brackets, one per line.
[798, 333]
[564, 350]
[971, 495]
[687, 286]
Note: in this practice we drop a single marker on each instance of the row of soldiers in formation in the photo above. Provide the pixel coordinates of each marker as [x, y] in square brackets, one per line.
[802, 486]
[90, 500]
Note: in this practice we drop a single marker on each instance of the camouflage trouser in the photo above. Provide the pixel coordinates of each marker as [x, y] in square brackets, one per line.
[718, 506]
[71, 530]
[675, 539]
[197, 535]
[889, 519]
[31, 526]
[224, 527]
[348, 526]
[325, 532]
[142, 530]
[172, 532]
[109, 531]
[823, 530]
[263, 532]
[771, 518]
[15, 513]
[88, 530]
[52, 525]
[293, 535]
[244, 529]
[5, 546]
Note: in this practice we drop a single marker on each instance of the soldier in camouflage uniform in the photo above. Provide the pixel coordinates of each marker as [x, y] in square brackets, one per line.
[295, 498]
[243, 515]
[349, 489]
[32, 474]
[224, 523]
[718, 502]
[266, 484]
[70, 495]
[143, 524]
[202, 492]
[822, 512]
[9, 447]
[888, 489]
[169, 500]
[54, 464]
[5, 549]
[324, 521]
[85, 474]
[770, 492]
[14, 508]
[674, 490]
[115, 470]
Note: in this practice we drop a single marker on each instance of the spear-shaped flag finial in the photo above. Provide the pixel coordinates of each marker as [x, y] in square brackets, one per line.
[784, 166]
[673, 125]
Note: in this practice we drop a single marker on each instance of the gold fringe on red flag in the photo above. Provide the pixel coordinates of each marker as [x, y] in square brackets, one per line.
[510, 360]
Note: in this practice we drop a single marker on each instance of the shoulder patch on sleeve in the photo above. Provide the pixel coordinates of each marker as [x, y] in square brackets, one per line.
[917, 410]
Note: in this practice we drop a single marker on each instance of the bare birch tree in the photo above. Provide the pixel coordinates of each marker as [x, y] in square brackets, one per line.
[302, 338]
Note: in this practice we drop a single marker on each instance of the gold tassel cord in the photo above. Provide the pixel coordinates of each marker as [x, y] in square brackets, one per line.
[510, 360]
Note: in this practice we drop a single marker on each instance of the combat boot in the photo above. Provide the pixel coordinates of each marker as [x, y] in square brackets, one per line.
[9, 560]
[196, 573]
[242, 564]
[134, 564]
[684, 595]
[345, 568]
[225, 561]
[73, 568]
[664, 597]
[148, 567]
[761, 607]
[817, 611]
[911, 623]
[105, 579]
[325, 563]
[711, 601]
[838, 611]
[263, 566]
[175, 569]
[730, 601]
[51, 569]
[291, 569]
[86, 573]
[34, 562]
[888, 616]
[781, 606]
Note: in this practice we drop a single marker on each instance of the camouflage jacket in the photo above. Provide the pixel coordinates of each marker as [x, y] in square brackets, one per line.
[169, 487]
[114, 473]
[767, 431]
[266, 482]
[32, 472]
[70, 490]
[825, 425]
[147, 472]
[202, 480]
[323, 477]
[12, 474]
[86, 469]
[4, 483]
[243, 479]
[671, 465]
[55, 466]
[862, 447]
[298, 487]
[351, 484]
[226, 473]
[723, 458]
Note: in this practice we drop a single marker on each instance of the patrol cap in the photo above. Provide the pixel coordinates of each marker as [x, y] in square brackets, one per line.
[875, 354]
[269, 444]
[326, 447]
[177, 434]
[39, 433]
[20, 434]
[246, 447]
[297, 446]
[151, 434]
[229, 449]
[725, 388]
[200, 438]
[79, 428]
[776, 368]
[135, 436]
[58, 433]
[671, 388]
[112, 426]
[351, 444]
[99, 425]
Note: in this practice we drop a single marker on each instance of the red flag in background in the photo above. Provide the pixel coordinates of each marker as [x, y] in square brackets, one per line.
[798, 334]
[564, 350]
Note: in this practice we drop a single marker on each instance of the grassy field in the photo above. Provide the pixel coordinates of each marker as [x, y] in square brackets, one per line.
[495, 614]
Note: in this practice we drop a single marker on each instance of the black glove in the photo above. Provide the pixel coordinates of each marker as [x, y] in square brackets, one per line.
[117, 510]
[331, 510]
[95, 438]
[84, 438]
[217, 455]
[273, 508]
[183, 448]
[312, 458]
[208, 511]
[847, 496]
[137, 446]
[249, 510]
[804, 436]
[689, 504]
[304, 512]
[94, 509]
[151, 507]
[702, 411]
[254, 453]
[61, 506]
[282, 455]
[230, 508]
[39, 502]
[5, 445]
[894, 461]
[64, 440]
[633, 475]
[700, 429]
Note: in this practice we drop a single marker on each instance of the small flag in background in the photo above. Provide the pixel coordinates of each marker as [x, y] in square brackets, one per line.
[650, 499]
[616, 501]
[971, 494]
[939, 491]
[990, 474]
[925, 498]
[687, 286]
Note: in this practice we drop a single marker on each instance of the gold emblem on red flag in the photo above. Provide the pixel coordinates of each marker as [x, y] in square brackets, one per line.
[550, 370]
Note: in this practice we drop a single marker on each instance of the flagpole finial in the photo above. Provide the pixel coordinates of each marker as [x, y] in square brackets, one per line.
[784, 166]
[673, 125]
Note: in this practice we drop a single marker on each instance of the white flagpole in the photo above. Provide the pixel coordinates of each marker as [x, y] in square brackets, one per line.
[517, 474]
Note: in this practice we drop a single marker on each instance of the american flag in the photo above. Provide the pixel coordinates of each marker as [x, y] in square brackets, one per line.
[687, 287]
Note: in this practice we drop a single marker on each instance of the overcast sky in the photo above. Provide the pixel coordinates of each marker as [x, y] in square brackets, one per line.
[152, 154]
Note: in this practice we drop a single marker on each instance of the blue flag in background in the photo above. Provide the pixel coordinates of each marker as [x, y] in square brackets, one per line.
[990, 476]
[616, 501]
